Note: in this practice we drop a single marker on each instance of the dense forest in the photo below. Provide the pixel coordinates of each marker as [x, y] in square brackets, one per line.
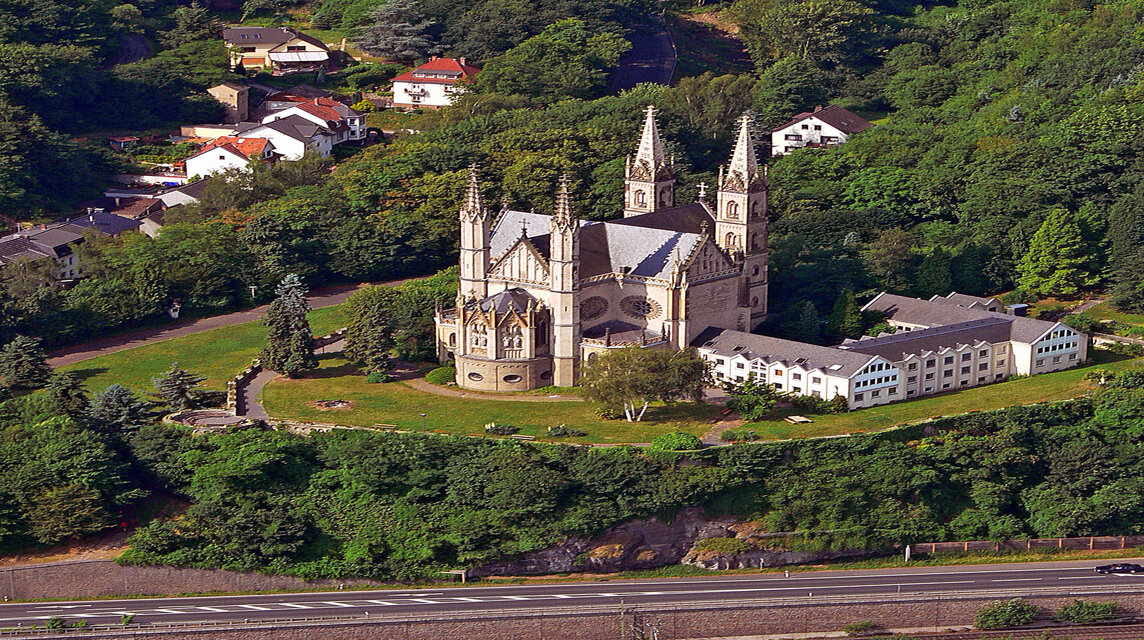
[406, 505]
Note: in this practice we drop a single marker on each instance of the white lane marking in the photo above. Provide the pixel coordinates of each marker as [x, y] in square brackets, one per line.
[424, 601]
[475, 599]
[518, 597]
[1082, 578]
[382, 602]
[293, 605]
[165, 611]
[214, 609]
[340, 604]
[1018, 580]
[252, 607]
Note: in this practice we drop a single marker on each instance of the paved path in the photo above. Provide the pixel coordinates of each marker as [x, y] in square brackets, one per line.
[321, 297]
[815, 588]
[651, 59]
[249, 404]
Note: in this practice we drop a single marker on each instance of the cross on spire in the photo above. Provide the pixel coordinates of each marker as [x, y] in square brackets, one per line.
[563, 219]
[702, 190]
[474, 206]
[651, 147]
[743, 160]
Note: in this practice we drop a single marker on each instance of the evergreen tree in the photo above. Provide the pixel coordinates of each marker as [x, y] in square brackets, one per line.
[289, 341]
[178, 388]
[934, 274]
[23, 364]
[1056, 262]
[809, 326]
[68, 395]
[118, 411]
[397, 31]
[1128, 290]
[845, 321]
[191, 23]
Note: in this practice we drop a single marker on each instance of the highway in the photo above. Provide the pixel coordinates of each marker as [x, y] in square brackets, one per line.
[570, 595]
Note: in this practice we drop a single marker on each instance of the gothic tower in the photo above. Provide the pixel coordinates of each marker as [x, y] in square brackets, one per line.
[564, 267]
[741, 219]
[476, 225]
[649, 181]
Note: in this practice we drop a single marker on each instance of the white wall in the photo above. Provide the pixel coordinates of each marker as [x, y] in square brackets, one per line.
[436, 95]
[214, 161]
[810, 130]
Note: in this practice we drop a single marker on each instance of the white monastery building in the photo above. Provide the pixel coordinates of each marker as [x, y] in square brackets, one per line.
[433, 84]
[825, 126]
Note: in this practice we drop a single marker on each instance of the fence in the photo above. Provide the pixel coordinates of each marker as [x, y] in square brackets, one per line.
[1090, 543]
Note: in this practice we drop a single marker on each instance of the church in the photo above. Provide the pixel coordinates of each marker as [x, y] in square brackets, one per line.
[540, 294]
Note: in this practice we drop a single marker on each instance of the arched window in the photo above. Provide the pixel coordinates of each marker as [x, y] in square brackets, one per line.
[729, 241]
[754, 241]
[452, 339]
[754, 302]
[641, 197]
[542, 334]
[732, 209]
[663, 196]
[754, 209]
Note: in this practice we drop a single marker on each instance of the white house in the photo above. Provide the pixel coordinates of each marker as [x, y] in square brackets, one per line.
[229, 152]
[293, 136]
[825, 126]
[433, 84]
[343, 123]
[279, 48]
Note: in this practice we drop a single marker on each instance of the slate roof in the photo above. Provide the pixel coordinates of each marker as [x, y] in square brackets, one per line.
[728, 343]
[835, 116]
[935, 314]
[688, 218]
[897, 346]
[16, 248]
[510, 299]
[110, 223]
[267, 35]
[965, 300]
[294, 126]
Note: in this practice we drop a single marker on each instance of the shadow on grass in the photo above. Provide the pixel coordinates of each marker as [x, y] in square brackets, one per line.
[86, 374]
[326, 373]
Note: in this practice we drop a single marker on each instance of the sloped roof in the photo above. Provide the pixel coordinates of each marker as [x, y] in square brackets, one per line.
[451, 68]
[728, 343]
[688, 218]
[242, 146]
[16, 248]
[515, 299]
[294, 126]
[965, 300]
[639, 251]
[898, 345]
[936, 314]
[327, 109]
[835, 116]
[267, 35]
[109, 223]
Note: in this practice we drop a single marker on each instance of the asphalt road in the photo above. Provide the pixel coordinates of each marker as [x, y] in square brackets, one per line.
[460, 600]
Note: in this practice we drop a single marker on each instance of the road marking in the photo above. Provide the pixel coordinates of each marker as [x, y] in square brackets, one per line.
[1018, 580]
[424, 601]
[252, 607]
[475, 599]
[1083, 578]
[294, 605]
[382, 602]
[517, 597]
[173, 611]
[214, 609]
[340, 604]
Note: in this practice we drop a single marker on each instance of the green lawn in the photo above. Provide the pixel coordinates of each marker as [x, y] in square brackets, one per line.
[1105, 311]
[399, 404]
[217, 354]
[1060, 385]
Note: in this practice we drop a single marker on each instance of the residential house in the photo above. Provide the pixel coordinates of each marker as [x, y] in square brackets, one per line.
[145, 211]
[295, 95]
[293, 136]
[229, 152]
[343, 123]
[107, 223]
[235, 98]
[56, 241]
[280, 49]
[825, 126]
[799, 368]
[122, 143]
[433, 84]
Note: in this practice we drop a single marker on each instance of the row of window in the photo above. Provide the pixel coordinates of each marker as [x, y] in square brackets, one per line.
[1057, 347]
[876, 393]
[1056, 360]
[876, 381]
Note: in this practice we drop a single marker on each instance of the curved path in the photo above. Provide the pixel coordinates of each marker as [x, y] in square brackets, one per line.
[321, 297]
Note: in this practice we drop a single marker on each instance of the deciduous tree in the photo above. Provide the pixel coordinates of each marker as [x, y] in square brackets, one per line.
[631, 378]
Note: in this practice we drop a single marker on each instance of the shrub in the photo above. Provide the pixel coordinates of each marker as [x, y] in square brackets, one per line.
[1087, 612]
[442, 375]
[365, 106]
[496, 429]
[860, 628]
[676, 441]
[1083, 321]
[374, 75]
[561, 431]
[738, 435]
[609, 413]
[1001, 615]
[839, 404]
[810, 404]
[378, 377]
[724, 545]
[1018, 296]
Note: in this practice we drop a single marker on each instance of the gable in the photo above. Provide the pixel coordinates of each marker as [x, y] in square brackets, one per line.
[708, 260]
[522, 263]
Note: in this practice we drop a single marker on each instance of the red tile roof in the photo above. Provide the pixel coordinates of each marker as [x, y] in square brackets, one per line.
[451, 67]
[245, 147]
[835, 116]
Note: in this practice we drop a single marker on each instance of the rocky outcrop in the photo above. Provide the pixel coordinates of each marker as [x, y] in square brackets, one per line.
[649, 543]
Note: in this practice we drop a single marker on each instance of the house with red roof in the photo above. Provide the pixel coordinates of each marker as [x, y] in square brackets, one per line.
[825, 126]
[342, 123]
[229, 152]
[433, 84]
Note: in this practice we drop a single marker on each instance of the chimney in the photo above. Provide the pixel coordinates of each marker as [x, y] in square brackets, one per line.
[461, 60]
[91, 219]
[818, 108]
[432, 58]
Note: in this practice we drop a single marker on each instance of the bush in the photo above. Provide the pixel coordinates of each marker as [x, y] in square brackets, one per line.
[676, 441]
[609, 413]
[365, 106]
[495, 429]
[1002, 615]
[724, 545]
[442, 375]
[378, 377]
[810, 404]
[1087, 612]
[373, 76]
[1018, 296]
[1124, 349]
[1083, 321]
[839, 404]
[738, 435]
[860, 628]
[561, 431]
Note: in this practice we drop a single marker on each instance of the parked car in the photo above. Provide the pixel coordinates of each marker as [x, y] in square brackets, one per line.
[1120, 567]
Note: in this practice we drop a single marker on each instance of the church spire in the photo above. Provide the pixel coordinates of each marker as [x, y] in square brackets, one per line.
[744, 164]
[650, 150]
[649, 178]
[474, 207]
[563, 219]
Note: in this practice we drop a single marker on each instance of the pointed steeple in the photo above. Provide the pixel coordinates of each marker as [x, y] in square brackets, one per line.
[650, 150]
[563, 219]
[474, 207]
[744, 163]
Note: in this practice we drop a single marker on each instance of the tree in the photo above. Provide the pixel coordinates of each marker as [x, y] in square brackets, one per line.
[1128, 290]
[117, 411]
[934, 276]
[845, 321]
[808, 327]
[191, 24]
[812, 29]
[23, 364]
[289, 342]
[891, 257]
[179, 389]
[630, 377]
[68, 395]
[127, 17]
[566, 60]
[1055, 262]
[751, 399]
[397, 31]
[788, 87]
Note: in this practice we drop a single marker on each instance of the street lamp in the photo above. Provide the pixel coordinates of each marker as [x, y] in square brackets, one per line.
[423, 422]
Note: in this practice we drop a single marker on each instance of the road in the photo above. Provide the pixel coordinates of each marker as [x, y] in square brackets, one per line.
[962, 580]
[651, 59]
